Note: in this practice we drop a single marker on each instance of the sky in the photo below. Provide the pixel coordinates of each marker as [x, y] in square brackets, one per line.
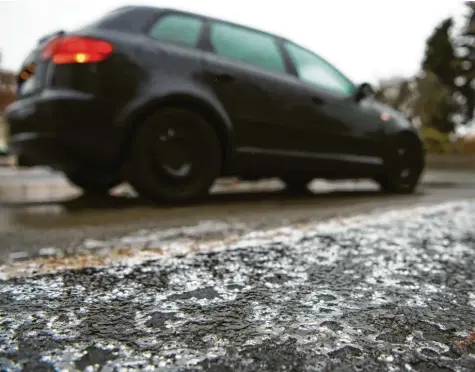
[366, 39]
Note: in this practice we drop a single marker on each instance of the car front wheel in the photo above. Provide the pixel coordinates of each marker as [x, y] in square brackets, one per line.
[403, 167]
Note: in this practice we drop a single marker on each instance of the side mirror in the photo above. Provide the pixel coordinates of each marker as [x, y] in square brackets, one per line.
[363, 91]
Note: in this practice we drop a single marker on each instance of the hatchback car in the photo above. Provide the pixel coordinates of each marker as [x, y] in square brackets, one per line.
[169, 101]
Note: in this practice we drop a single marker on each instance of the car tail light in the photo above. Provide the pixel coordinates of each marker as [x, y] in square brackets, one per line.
[76, 49]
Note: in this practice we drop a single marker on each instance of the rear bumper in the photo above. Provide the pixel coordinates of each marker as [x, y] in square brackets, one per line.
[40, 149]
[64, 130]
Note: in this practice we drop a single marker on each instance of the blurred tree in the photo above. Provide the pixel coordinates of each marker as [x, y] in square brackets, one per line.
[466, 62]
[433, 103]
[7, 85]
[440, 56]
[439, 72]
[395, 92]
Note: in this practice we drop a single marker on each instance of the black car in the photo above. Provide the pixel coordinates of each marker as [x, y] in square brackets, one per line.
[169, 101]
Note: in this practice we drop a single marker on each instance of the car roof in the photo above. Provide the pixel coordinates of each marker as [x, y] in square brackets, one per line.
[200, 15]
[161, 10]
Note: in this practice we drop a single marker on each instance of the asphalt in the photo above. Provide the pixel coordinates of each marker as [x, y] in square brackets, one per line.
[343, 279]
[391, 291]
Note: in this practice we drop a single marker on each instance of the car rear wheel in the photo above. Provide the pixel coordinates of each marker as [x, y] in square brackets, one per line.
[403, 167]
[297, 184]
[175, 157]
[93, 183]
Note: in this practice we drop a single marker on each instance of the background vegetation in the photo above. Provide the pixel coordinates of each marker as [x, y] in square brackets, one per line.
[441, 97]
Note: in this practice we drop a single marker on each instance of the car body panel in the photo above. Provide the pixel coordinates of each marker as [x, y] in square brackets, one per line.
[52, 117]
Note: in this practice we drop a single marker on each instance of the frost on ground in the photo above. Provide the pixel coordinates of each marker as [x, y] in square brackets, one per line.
[383, 292]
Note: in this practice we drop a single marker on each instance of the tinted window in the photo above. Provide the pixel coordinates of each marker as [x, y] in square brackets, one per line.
[315, 70]
[247, 46]
[178, 29]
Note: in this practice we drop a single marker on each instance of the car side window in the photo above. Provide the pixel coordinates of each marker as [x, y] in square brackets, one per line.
[315, 70]
[247, 46]
[178, 29]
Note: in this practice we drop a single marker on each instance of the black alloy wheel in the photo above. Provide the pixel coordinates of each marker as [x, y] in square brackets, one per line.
[403, 167]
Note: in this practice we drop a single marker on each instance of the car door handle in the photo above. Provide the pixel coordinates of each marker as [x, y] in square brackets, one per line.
[317, 100]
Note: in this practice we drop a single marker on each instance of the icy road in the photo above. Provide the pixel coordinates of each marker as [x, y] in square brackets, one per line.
[392, 291]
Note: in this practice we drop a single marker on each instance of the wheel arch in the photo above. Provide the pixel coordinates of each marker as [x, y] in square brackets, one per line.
[215, 115]
[406, 134]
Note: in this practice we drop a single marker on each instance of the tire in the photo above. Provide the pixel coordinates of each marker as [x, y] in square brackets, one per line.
[93, 183]
[297, 184]
[175, 157]
[403, 167]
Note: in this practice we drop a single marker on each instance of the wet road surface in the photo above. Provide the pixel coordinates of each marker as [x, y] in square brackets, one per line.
[386, 291]
[44, 217]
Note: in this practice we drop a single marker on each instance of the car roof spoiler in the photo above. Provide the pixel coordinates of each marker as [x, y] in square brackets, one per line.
[51, 36]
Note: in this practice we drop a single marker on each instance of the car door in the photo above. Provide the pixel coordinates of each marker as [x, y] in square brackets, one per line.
[248, 74]
[333, 123]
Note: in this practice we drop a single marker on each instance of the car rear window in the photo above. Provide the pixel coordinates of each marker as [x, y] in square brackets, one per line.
[178, 29]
